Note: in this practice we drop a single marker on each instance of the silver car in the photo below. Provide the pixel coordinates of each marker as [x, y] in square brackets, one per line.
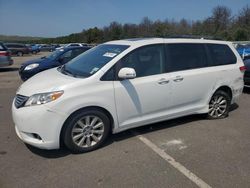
[5, 58]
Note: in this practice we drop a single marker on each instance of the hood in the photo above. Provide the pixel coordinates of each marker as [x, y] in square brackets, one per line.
[39, 61]
[46, 81]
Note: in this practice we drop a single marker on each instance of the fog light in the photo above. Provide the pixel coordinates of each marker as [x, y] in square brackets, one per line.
[36, 136]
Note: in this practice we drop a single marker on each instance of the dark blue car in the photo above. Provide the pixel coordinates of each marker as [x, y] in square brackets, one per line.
[247, 73]
[244, 50]
[55, 59]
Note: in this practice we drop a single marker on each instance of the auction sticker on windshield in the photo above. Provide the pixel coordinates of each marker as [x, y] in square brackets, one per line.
[109, 54]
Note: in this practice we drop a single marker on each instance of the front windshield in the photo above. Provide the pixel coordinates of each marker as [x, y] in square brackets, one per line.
[92, 60]
[55, 54]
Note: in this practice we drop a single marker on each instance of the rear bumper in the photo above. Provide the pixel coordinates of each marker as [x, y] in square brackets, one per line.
[6, 63]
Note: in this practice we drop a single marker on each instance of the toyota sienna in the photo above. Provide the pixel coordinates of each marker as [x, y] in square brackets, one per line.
[124, 84]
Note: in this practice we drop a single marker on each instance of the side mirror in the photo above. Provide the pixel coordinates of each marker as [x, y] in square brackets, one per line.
[127, 73]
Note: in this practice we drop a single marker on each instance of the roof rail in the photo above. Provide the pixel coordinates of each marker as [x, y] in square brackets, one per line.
[194, 37]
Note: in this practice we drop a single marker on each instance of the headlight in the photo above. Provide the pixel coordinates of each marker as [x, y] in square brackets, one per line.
[31, 66]
[43, 98]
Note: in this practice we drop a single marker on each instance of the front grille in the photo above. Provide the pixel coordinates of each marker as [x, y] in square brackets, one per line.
[20, 100]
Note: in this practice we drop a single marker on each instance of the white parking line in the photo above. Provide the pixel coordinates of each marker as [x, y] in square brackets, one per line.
[199, 182]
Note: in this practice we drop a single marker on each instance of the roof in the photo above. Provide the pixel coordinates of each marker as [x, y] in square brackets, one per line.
[75, 47]
[145, 41]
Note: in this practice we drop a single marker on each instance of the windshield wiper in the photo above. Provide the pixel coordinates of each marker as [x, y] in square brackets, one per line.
[66, 71]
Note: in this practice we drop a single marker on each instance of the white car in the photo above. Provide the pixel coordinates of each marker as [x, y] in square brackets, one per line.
[70, 45]
[124, 84]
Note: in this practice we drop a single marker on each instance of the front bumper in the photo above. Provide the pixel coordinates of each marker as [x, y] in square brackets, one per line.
[25, 75]
[38, 126]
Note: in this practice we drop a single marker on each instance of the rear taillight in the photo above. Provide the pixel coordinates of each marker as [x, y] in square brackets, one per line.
[4, 53]
[243, 68]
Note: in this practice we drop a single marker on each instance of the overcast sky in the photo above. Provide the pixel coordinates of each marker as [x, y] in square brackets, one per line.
[50, 18]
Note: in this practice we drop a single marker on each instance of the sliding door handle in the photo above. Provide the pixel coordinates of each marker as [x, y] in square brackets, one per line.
[178, 79]
[163, 81]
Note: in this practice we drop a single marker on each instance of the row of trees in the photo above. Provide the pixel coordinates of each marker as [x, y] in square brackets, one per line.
[221, 24]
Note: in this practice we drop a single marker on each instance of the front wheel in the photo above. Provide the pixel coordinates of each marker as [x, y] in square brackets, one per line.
[219, 105]
[86, 130]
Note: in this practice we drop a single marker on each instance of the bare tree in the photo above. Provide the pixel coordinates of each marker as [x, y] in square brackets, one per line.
[221, 18]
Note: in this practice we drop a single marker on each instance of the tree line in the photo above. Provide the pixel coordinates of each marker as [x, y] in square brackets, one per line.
[220, 25]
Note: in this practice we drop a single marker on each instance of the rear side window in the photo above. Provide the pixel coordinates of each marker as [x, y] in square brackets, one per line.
[221, 54]
[184, 56]
[9, 45]
[78, 51]
[16, 46]
[74, 45]
[2, 47]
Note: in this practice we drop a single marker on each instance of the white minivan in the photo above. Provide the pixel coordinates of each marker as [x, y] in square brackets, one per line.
[124, 84]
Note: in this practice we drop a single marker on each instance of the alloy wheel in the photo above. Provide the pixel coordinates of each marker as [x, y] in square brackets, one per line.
[217, 106]
[87, 131]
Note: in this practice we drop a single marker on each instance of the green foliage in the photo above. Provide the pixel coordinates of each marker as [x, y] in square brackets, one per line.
[241, 35]
[7, 38]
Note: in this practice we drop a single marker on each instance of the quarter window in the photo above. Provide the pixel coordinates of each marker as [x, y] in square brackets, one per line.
[147, 60]
[221, 54]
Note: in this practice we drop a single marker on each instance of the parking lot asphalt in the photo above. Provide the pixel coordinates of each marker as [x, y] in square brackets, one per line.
[184, 152]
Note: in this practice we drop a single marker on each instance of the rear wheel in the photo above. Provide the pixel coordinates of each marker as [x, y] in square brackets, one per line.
[86, 130]
[219, 105]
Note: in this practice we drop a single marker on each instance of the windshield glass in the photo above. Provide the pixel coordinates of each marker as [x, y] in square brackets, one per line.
[55, 54]
[92, 60]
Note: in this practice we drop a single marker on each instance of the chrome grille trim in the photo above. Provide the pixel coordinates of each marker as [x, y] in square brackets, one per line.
[20, 101]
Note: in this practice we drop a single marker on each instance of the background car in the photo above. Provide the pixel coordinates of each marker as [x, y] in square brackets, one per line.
[34, 48]
[70, 45]
[47, 48]
[5, 56]
[56, 45]
[247, 73]
[55, 59]
[17, 48]
[244, 50]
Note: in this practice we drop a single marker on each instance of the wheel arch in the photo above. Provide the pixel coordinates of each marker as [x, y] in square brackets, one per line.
[111, 118]
[226, 89]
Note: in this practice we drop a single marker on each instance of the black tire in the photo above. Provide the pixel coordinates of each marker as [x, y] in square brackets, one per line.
[215, 105]
[67, 134]
[19, 53]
